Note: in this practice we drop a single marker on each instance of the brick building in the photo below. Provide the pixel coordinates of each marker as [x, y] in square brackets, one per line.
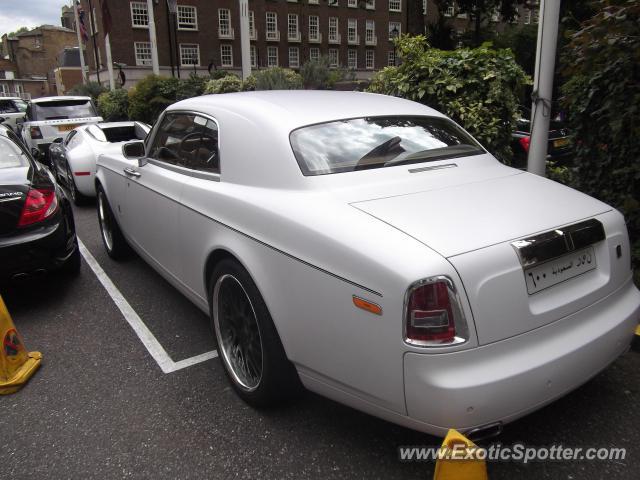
[353, 33]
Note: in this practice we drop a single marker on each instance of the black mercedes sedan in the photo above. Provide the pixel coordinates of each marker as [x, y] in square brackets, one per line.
[37, 231]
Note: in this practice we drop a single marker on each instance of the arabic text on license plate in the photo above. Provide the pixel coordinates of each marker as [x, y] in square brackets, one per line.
[66, 128]
[562, 268]
[561, 142]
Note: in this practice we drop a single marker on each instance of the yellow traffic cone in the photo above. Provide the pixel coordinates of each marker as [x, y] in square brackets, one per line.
[453, 464]
[16, 364]
[635, 343]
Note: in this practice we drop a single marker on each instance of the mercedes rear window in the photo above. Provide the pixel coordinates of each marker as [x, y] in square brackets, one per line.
[378, 142]
[63, 109]
[11, 156]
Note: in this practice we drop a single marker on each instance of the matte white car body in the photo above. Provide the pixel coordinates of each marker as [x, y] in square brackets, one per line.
[80, 150]
[52, 129]
[312, 243]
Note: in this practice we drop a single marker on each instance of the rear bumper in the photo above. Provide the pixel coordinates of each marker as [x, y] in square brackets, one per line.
[505, 380]
[38, 251]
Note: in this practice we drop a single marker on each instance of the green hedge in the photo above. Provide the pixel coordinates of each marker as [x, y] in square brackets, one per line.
[114, 105]
[151, 96]
[479, 88]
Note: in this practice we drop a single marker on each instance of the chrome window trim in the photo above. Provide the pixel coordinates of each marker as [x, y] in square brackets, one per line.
[183, 170]
[462, 327]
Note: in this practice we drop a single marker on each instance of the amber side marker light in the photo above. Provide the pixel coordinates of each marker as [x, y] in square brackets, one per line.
[367, 305]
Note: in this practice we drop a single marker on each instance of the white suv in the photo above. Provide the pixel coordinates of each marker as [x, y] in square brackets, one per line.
[49, 118]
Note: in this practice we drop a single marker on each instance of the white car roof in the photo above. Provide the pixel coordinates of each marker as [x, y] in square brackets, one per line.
[60, 99]
[255, 127]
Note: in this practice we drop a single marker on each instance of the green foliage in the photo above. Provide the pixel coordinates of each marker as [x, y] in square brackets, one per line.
[277, 78]
[478, 87]
[227, 84]
[319, 75]
[215, 74]
[91, 89]
[521, 40]
[151, 96]
[113, 105]
[602, 98]
[191, 87]
[249, 85]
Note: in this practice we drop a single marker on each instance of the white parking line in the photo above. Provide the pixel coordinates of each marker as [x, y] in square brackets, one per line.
[152, 345]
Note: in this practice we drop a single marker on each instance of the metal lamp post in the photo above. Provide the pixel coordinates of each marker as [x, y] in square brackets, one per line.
[172, 6]
[395, 33]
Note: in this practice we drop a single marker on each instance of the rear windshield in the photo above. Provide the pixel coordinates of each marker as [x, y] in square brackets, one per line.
[113, 134]
[377, 142]
[11, 155]
[60, 110]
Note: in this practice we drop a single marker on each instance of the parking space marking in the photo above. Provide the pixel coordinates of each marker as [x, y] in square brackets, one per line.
[157, 351]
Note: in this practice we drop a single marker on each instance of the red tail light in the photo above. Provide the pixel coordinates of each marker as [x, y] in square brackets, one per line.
[35, 132]
[525, 142]
[39, 205]
[433, 316]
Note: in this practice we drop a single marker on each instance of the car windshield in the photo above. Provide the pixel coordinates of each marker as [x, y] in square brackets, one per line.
[377, 142]
[11, 155]
[62, 109]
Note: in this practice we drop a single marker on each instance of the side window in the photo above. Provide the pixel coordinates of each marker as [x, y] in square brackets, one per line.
[70, 135]
[7, 106]
[187, 140]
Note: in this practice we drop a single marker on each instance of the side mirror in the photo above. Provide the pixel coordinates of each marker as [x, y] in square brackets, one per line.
[36, 153]
[58, 140]
[133, 150]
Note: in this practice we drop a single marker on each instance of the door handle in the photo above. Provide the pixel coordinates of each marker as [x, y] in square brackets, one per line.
[132, 172]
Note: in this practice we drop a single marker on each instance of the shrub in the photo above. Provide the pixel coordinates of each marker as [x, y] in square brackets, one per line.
[249, 84]
[191, 87]
[318, 75]
[113, 105]
[227, 84]
[477, 87]
[91, 89]
[601, 97]
[215, 74]
[151, 96]
[277, 78]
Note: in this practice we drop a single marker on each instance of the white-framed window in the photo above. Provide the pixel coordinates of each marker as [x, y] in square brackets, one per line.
[527, 17]
[187, 17]
[224, 23]
[226, 55]
[4, 88]
[395, 30]
[495, 15]
[254, 56]
[352, 3]
[189, 54]
[333, 29]
[314, 27]
[139, 15]
[370, 31]
[94, 23]
[143, 53]
[450, 11]
[252, 25]
[292, 27]
[19, 89]
[272, 56]
[395, 5]
[312, 2]
[391, 58]
[314, 54]
[370, 4]
[272, 25]
[333, 3]
[369, 57]
[462, 15]
[424, 7]
[535, 15]
[352, 30]
[333, 57]
[294, 57]
[352, 58]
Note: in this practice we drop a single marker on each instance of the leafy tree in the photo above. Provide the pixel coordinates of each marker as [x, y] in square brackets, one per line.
[151, 96]
[601, 94]
[521, 39]
[90, 89]
[113, 105]
[478, 87]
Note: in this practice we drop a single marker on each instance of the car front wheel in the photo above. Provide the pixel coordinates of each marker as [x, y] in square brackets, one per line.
[248, 343]
[114, 242]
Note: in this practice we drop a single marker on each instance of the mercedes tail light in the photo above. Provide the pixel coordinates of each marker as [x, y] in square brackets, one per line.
[433, 315]
[524, 143]
[35, 132]
[39, 205]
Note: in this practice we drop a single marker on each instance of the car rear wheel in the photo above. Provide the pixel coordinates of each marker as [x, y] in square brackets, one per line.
[78, 198]
[114, 242]
[248, 343]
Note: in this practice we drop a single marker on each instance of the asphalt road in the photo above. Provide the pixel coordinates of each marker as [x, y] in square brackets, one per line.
[100, 406]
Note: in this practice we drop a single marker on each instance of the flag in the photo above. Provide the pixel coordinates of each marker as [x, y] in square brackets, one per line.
[106, 17]
[82, 27]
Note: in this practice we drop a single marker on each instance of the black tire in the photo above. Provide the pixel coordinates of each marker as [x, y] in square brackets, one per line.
[72, 265]
[112, 238]
[78, 198]
[234, 298]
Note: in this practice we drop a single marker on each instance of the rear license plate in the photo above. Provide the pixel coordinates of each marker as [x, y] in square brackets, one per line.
[560, 269]
[561, 142]
[66, 128]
